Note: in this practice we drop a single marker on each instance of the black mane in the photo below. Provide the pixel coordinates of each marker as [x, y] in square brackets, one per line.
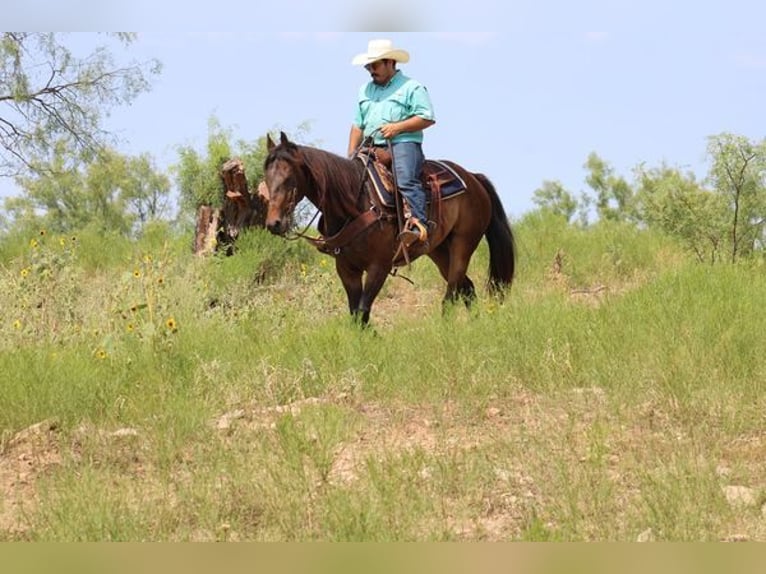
[337, 181]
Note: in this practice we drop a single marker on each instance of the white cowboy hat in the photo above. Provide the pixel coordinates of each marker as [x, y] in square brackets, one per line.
[380, 50]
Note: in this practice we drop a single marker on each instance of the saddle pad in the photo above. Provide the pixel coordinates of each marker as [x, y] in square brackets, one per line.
[450, 183]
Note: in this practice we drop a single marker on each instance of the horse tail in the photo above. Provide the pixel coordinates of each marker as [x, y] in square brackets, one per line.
[502, 245]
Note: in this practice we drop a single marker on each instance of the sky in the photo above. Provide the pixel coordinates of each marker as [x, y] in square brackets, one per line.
[634, 81]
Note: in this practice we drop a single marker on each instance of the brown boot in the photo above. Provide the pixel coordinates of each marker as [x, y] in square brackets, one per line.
[413, 231]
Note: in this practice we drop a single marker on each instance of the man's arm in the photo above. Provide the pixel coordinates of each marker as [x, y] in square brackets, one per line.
[354, 140]
[412, 124]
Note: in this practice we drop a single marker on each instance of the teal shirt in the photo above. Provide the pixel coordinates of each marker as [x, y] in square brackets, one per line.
[398, 100]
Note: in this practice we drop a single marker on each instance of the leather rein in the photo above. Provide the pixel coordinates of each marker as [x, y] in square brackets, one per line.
[333, 244]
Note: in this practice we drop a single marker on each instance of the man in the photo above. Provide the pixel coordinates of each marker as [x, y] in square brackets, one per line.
[394, 107]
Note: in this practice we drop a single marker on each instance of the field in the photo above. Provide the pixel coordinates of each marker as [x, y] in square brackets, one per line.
[148, 395]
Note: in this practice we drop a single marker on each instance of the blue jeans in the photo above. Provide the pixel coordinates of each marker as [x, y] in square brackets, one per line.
[408, 163]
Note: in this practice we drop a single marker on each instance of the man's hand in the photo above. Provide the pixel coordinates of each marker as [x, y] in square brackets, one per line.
[389, 131]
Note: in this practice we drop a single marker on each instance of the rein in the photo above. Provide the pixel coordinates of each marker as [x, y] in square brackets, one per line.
[303, 234]
[333, 244]
[351, 228]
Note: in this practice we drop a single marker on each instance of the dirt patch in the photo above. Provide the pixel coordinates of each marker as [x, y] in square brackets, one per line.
[23, 459]
[444, 431]
[520, 452]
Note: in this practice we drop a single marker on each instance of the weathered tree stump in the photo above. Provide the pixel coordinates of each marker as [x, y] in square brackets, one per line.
[240, 209]
[206, 232]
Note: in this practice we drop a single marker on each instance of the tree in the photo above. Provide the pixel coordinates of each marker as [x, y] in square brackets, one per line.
[197, 175]
[216, 188]
[553, 197]
[676, 204]
[613, 193]
[48, 95]
[118, 193]
[738, 173]
[146, 189]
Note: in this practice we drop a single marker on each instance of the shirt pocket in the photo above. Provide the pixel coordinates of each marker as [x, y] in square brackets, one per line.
[397, 107]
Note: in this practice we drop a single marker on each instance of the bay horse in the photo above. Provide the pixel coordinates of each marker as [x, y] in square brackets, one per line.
[361, 233]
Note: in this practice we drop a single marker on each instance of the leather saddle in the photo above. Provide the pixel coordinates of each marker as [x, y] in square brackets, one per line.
[439, 180]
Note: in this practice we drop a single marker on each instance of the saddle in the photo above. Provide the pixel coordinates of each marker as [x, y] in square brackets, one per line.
[440, 181]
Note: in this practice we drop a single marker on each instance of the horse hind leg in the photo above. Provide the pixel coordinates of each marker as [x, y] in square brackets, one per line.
[467, 292]
[459, 286]
[463, 291]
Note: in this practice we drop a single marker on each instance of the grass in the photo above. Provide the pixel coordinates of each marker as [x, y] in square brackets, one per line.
[616, 394]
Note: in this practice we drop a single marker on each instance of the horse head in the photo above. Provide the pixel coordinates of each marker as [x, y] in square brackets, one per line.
[283, 176]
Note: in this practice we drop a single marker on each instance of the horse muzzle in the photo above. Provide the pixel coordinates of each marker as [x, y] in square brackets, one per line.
[276, 226]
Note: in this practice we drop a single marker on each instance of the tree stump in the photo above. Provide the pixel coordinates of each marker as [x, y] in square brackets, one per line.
[206, 232]
[240, 209]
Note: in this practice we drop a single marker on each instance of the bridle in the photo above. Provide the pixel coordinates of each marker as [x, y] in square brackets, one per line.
[292, 203]
[333, 244]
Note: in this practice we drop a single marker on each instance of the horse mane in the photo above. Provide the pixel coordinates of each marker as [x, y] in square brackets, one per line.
[336, 180]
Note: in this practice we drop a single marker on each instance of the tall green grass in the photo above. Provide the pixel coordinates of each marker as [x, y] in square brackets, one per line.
[615, 392]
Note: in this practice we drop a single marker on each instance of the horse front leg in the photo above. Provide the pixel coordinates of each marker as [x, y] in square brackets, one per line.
[352, 283]
[376, 277]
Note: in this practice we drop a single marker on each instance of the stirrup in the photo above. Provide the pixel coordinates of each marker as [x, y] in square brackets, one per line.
[414, 231]
[421, 230]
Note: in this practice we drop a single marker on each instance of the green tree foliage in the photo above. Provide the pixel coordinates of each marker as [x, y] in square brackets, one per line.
[146, 190]
[675, 203]
[613, 193]
[48, 94]
[117, 194]
[198, 174]
[738, 173]
[722, 218]
[613, 200]
[553, 197]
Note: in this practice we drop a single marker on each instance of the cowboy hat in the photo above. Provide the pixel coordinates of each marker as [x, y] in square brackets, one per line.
[380, 50]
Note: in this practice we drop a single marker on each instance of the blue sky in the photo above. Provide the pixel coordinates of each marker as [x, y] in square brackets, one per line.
[634, 81]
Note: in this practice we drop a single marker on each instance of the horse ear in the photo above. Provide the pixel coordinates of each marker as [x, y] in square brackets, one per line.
[283, 138]
[270, 145]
